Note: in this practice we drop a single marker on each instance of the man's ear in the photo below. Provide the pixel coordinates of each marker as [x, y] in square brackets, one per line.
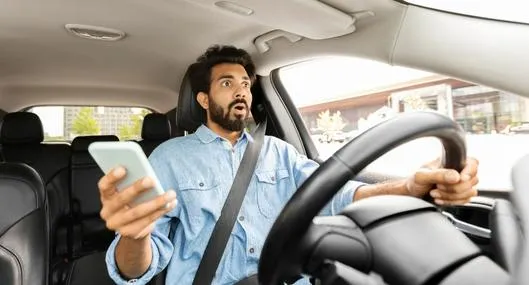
[203, 100]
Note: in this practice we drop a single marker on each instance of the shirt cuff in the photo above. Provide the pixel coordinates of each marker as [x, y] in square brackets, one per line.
[113, 270]
[343, 198]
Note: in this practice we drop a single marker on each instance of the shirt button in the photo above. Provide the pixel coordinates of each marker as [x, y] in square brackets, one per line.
[132, 281]
[241, 218]
[273, 178]
[252, 250]
[201, 184]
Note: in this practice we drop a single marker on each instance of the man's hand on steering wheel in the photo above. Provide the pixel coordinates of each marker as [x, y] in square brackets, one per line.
[445, 186]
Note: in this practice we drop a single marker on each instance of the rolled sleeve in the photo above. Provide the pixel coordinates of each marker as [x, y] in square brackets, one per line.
[342, 199]
[162, 251]
[304, 167]
[113, 270]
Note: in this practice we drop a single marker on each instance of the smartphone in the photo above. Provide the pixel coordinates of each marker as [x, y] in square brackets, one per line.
[129, 155]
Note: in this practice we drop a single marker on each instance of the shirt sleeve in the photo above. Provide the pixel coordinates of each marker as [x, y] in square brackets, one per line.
[162, 251]
[303, 167]
[161, 247]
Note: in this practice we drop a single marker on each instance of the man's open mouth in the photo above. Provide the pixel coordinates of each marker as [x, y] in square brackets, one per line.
[240, 107]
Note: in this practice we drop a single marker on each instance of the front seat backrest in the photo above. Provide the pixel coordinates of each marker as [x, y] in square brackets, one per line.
[155, 130]
[85, 199]
[24, 226]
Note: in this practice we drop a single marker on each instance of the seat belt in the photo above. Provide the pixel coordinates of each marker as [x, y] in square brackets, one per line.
[224, 226]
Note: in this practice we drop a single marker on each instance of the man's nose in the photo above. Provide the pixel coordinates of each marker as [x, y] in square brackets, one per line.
[241, 92]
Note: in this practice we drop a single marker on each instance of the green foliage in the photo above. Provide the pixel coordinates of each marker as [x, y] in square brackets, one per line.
[85, 123]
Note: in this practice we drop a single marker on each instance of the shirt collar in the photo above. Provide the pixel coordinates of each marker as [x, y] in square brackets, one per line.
[206, 135]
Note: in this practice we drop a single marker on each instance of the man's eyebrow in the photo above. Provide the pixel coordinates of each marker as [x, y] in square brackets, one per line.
[229, 76]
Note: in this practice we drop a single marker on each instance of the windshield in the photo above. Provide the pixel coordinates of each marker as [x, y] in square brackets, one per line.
[338, 98]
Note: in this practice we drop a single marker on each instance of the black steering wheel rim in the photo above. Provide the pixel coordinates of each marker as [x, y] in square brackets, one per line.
[296, 217]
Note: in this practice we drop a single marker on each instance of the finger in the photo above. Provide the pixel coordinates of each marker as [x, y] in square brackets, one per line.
[470, 170]
[136, 228]
[107, 183]
[143, 210]
[441, 195]
[436, 176]
[126, 196]
[459, 187]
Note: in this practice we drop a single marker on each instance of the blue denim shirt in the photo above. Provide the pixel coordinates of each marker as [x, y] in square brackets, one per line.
[201, 168]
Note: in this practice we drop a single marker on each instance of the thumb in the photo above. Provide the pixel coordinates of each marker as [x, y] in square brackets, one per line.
[436, 176]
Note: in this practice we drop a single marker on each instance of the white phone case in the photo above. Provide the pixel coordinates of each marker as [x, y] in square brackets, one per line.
[128, 154]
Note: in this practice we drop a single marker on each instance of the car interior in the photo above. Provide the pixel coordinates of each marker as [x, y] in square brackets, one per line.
[135, 54]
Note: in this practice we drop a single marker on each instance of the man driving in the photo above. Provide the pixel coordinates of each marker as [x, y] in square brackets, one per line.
[199, 169]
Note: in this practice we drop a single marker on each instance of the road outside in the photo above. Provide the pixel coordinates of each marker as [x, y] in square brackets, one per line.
[497, 154]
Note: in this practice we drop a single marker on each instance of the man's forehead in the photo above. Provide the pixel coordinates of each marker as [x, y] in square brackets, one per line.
[229, 70]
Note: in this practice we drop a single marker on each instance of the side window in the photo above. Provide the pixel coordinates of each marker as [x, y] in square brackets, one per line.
[64, 123]
[339, 98]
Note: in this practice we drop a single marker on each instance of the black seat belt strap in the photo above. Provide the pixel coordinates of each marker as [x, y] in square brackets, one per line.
[224, 226]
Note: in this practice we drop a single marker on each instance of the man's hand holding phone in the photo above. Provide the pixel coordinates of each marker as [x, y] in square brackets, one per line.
[135, 222]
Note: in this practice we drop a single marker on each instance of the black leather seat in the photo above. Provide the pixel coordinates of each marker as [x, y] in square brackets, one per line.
[90, 236]
[89, 230]
[189, 114]
[155, 130]
[88, 270]
[21, 136]
[24, 226]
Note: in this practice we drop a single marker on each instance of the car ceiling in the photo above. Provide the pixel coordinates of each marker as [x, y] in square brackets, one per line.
[41, 63]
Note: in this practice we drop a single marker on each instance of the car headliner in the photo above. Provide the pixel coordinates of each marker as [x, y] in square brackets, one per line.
[41, 63]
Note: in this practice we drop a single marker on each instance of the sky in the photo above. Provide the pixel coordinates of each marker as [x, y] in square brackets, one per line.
[52, 119]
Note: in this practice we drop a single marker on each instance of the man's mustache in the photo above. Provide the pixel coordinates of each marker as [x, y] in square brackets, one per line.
[238, 101]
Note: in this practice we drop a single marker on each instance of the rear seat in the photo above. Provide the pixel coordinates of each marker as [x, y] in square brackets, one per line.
[70, 176]
[21, 137]
[91, 268]
[89, 230]
[155, 130]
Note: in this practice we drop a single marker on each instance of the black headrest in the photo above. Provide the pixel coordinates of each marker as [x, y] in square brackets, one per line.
[189, 114]
[21, 127]
[155, 127]
[81, 143]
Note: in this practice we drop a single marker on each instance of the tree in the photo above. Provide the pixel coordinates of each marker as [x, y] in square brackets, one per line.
[415, 102]
[85, 123]
[330, 122]
[133, 129]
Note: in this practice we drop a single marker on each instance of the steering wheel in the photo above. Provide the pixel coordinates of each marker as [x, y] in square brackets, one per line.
[404, 240]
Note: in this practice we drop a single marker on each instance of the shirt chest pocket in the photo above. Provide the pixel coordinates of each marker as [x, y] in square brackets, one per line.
[273, 191]
[201, 200]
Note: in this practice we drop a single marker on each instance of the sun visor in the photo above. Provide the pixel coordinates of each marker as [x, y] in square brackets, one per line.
[307, 18]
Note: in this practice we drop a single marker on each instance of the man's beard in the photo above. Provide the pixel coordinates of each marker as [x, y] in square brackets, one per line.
[223, 119]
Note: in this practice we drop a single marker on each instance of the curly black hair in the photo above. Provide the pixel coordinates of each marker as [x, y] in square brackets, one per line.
[200, 72]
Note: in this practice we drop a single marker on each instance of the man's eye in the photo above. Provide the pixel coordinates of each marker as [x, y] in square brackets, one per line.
[226, 84]
[246, 85]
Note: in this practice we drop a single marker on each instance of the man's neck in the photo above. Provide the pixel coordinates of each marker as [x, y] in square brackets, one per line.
[231, 136]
